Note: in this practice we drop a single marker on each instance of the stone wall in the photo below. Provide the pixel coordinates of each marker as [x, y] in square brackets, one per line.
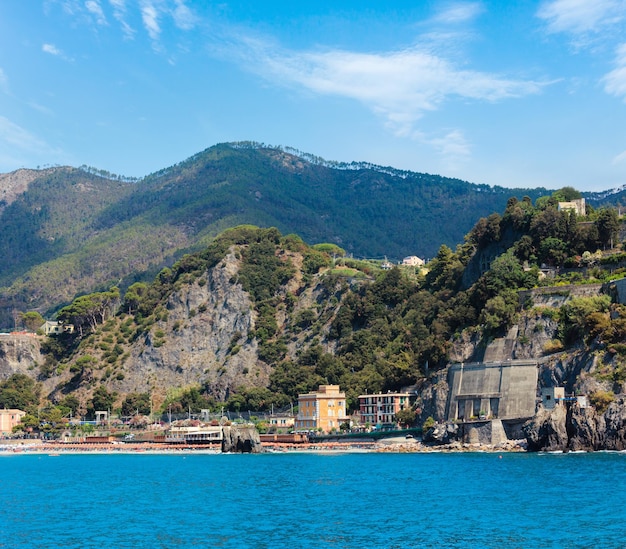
[504, 390]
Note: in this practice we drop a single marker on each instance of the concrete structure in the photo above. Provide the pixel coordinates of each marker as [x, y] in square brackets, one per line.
[552, 396]
[9, 419]
[503, 390]
[577, 205]
[555, 396]
[382, 407]
[323, 410]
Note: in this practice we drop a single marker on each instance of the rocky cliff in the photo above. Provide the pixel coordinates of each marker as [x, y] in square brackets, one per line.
[578, 429]
[195, 341]
[19, 354]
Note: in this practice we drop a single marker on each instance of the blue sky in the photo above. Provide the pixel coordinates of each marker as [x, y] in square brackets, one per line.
[518, 94]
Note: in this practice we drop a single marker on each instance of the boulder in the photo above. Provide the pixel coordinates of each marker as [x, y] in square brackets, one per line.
[441, 433]
[241, 440]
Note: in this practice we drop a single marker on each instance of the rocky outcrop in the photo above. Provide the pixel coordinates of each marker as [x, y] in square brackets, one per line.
[18, 355]
[578, 429]
[441, 433]
[204, 339]
[241, 440]
[547, 431]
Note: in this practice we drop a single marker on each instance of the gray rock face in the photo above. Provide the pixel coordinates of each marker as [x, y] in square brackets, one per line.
[206, 322]
[546, 431]
[578, 429]
[241, 440]
[18, 354]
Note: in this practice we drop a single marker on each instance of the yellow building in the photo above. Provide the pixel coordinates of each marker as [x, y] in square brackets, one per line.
[323, 410]
[9, 419]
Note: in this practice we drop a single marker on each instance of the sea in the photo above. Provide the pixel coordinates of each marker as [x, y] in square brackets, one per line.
[311, 500]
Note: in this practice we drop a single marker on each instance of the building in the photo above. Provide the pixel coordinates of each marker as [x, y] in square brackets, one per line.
[281, 421]
[9, 419]
[577, 205]
[413, 260]
[323, 410]
[552, 396]
[381, 408]
[555, 396]
[54, 327]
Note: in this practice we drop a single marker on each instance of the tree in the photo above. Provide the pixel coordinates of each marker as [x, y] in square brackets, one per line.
[608, 225]
[87, 311]
[21, 392]
[102, 399]
[406, 417]
[136, 403]
[32, 320]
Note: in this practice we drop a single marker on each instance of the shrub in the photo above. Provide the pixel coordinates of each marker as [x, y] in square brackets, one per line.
[600, 400]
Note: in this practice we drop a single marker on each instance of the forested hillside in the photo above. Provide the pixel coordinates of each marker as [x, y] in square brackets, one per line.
[72, 231]
[258, 317]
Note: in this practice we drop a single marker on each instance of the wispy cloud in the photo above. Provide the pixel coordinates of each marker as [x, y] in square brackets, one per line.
[150, 18]
[400, 86]
[95, 9]
[183, 16]
[51, 49]
[119, 14]
[619, 158]
[15, 136]
[455, 13]
[580, 16]
[615, 81]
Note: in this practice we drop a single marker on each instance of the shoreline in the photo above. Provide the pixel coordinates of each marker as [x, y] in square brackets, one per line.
[37, 447]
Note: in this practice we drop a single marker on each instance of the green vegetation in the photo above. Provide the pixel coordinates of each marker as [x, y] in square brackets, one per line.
[322, 317]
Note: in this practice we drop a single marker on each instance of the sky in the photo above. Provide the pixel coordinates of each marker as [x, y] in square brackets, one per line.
[516, 94]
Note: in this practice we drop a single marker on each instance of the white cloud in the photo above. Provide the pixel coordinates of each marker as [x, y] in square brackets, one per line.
[615, 81]
[94, 7]
[452, 145]
[183, 16]
[581, 16]
[51, 49]
[399, 86]
[16, 136]
[458, 13]
[119, 13]
[619, 158]
[150, 18]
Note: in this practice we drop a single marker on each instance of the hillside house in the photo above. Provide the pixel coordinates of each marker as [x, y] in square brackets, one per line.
[577, 205]
[54, 327]
[413, 261]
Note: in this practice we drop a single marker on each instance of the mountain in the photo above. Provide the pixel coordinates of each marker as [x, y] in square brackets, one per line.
[68, 231]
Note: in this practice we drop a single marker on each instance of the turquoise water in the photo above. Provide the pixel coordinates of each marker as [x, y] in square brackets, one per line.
[311, 500]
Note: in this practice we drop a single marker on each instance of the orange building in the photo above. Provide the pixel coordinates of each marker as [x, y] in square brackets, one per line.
[323, 410]
[9, 419]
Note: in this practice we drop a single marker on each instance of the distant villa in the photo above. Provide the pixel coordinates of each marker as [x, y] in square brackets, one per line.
[577, 205]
